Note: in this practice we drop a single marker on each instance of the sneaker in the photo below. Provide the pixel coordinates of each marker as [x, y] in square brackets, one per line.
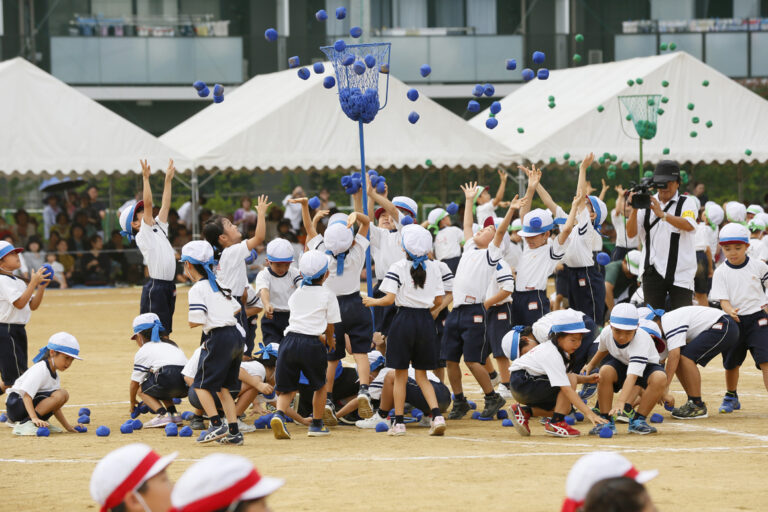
[364, 406]
[212, 434]
[277, 423]
[370, 422]
[504, 392]
[397, 429]
[425, 421]
[161, 420]
[245, 427]
[318, 431]
[329, 414]
[587, 391]
[53, 429]
[730, 404]
[496, 380]
[25, 429]
[638, 426]
[543, 420]
[459, 410]
[492, 406]
[234, 439]
[350, 419]
[690, 411]
[176, 418]
[624, 416]
[437, 427]
[197, 423]
[520, 420]
[10, 424]
[561, 429]
[597, 428]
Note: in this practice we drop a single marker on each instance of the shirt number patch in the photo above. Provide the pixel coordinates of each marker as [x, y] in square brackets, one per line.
[582, 282]
[762, 322]
[478, 319]
[469, 299]
[718, 326]
[502, 316]
[533, 306]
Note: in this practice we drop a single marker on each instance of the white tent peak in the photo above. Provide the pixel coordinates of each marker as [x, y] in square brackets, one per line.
[277, 121]
[739, 116]
[49, 127]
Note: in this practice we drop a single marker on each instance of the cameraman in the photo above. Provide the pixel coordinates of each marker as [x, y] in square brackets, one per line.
[667, 231]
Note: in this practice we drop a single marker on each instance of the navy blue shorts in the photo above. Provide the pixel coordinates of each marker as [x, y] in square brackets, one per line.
[586, 292]
[166, 383]
[621, 371]
[250, 335]
[440, 328]
[453, 263]
[465, 335]
[345, 385]
[300, 353]
[499, 323]
[702, 283]
[17, 412]
[415, 397]
[753, 331]
[561, 282]
[529, 306]
[159, 297]
[272, 329]
[194, 400]
[533, 390]
[356, 322]
[383, 315]
[220, 360]
[411, 340]
[721, 338]
[619, 253]
[13, 352]
[242, 319]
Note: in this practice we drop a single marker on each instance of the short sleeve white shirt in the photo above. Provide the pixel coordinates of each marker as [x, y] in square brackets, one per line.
[476, 269]
[211, 309]
[502, 280]
[231, 272]
[399, 281]
[35, 380]
[159, 256]
[312, 309]
[349, 282]
[11, 288]
[703, 238]
[484, 211]
[254, 369]
[742, 286]
[448, 243]
[154, 355]
[190, 369]
[280, 287]
[536, 265]
[447, 276]
[636, 354]
[620, 226]
[579, 251]
[386, 249]
[543, 359]
[684, 324]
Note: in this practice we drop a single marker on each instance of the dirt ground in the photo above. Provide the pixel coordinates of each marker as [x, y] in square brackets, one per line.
[711, 464]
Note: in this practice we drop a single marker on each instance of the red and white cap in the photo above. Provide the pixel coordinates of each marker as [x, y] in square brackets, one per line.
[6, 248]
[595, 467]
[123, 471]
[234, 480]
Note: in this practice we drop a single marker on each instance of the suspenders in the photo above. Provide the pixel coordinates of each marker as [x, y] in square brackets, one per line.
[674, 240]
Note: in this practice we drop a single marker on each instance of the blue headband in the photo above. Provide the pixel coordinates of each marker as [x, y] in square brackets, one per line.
[279, 260]
[378, 363]
[339, 261]
[58, 348]
[156, 327]
[734, 239]
[128, 230]
[622, 320]
[596, 208]
[404, 206]
[208, 266]
[567, 327]
[319, 273]
[338, 222]
[542, 229]
[265, 352]
[418, 261]
[654, 313]
[514, 350]
[651, 331]
[7, 250]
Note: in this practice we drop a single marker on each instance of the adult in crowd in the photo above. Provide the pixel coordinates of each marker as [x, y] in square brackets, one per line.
[22, 228]
[667, 231]
[96, 209]
[293, 210]
[50, 212]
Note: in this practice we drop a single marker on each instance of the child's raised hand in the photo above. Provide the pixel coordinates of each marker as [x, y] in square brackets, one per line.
[262, 205]
[534, 177]
[170, 171]
[517, 203]
[590, 188]
[144, 169]
[587, 160]
[469, 189]
[619, 190]
[605, 186]
[502, 173]
[319, 214]
[299, 200]
[351, 219]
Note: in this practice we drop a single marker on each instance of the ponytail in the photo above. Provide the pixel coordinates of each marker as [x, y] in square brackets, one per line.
[212, 230]
[418, 274]
[554, 337]
[203, 272]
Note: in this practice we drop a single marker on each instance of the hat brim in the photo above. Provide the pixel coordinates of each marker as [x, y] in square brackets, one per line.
[159, 466]
[665, 178]
[15, 250]
[528, 234]
[70, 355]
[625, 327]
[575, 331]
[646, 476]
[266, 486]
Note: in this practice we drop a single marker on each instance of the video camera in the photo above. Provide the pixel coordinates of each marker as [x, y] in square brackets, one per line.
[642, 191]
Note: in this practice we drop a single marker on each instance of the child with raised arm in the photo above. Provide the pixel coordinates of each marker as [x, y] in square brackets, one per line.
[485, 205]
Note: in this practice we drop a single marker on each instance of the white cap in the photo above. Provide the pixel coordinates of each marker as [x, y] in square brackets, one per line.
[338, 238]
[337, 218]
[510, 343]
[567, 321]
[516, 225]
[436, 215]
[416, 240]
[280, 250]
[375, 360]
[64, 343]
[650, 327]
[313, 263]
[735, 212]
[633, 259]
[714, 212]
[755, 209]
[218, 481]
[6, 248]
[146, 321]
[759, 222]
[127, 216]
[536, 222]
[123, 471]
[407, 204]
[625, 317]
[734, 233]
[600, 209]
[198, 250]
[595, 467]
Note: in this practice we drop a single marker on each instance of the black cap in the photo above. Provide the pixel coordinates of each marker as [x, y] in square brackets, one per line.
[666, 171]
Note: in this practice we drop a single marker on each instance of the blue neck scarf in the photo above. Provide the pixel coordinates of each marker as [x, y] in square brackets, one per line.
[208, 266]
[309, 279]
[418, 261]
[265, 352]
[156, 327]
[339, 261]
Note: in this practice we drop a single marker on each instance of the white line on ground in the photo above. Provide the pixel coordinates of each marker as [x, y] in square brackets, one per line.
[736, 433]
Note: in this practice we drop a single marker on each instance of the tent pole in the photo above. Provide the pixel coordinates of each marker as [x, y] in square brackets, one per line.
[194, 186]
[364, 185]
[111, 207]
[640, 170]
[740, 181]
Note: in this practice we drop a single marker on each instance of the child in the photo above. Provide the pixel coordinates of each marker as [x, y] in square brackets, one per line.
[542, 383]
[276, 283]
[159, 293]
[347, 258]
[414, 285]
[632, 360]
[705, 243]
[156, 376]
[132, 478]
[440, 314]
[228, 242]
[37, 394]
[448, 238]
[17, 300]
[314, 311]
[619, 216]
[465, 326]
[483, 204]
[59, 274]
[236, 487]
[34, 256]
[213, 309]
[739, 286]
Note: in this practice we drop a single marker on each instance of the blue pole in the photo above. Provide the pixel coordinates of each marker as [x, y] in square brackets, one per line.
[364, 183]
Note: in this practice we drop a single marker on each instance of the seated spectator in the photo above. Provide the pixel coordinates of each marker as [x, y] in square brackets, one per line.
[81, 218]
[182, 237]
[22, 228]
[77, 240]
[50, 212]
[95, 264]
[273, 219]
[245, 216]
[62, 226]
[96, 209]
[59, 274]
[53, 241]
[65, 258]
[71, 203]
[284, 231]
[33, 254]
[116, 249]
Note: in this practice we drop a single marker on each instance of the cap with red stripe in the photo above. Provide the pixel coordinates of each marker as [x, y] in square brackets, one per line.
[124, 470]
[236, 481]
[6, 248]
[595, 467]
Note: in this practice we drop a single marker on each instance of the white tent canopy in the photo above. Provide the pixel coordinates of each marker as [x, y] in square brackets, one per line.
[48, 127]
[739, 117]
[279, 122]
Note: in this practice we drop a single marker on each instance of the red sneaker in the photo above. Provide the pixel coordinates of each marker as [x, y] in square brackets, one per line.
[561, 429]
[520, 420]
